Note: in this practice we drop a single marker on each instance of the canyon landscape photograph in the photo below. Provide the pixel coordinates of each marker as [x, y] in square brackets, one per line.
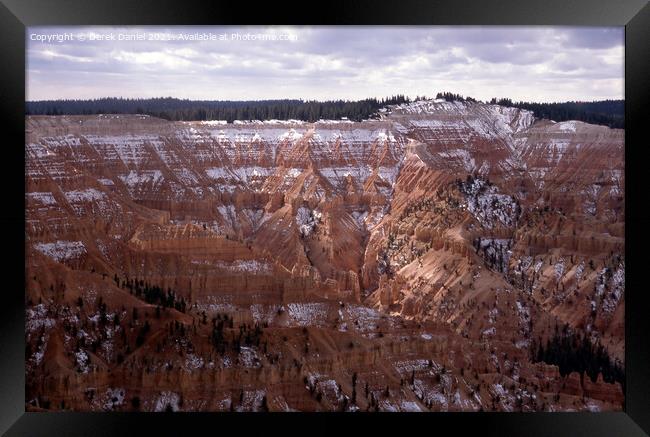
[325, 219]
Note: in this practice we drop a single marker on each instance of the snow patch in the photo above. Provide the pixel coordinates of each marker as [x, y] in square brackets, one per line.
[87, 195]
[61, 250]
[167, 400]
[44, 198]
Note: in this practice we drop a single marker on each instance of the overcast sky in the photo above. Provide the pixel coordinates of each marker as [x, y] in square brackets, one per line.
[523, 63]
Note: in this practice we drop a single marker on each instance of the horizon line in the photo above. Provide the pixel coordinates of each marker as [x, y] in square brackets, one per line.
[419, 98]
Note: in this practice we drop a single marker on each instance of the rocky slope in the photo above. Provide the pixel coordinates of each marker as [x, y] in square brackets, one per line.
[409, 263]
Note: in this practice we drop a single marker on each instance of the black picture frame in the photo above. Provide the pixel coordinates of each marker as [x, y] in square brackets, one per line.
[16, 15]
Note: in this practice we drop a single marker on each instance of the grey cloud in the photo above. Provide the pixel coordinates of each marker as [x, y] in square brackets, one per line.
[332, 62]
[595, 38]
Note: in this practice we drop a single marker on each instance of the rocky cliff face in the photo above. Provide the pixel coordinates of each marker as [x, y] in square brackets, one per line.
[408, 263]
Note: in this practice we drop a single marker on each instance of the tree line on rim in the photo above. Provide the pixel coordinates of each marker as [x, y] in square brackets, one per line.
[170, 108]
[609, 113]
[606, 112]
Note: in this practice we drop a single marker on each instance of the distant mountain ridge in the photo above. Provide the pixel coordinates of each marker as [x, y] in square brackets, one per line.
[606, 112]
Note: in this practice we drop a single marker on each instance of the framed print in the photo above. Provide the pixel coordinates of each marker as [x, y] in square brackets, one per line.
[423, 213]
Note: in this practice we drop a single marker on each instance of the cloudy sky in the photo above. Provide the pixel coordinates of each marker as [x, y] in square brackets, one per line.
[250, 63]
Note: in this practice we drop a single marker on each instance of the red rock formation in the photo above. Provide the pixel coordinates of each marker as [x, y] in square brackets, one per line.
[420, 255]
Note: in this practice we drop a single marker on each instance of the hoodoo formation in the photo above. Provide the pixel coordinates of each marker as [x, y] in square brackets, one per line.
[450, 256]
